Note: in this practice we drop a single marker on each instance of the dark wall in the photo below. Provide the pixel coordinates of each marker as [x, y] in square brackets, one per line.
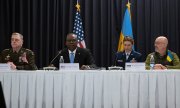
[45, 23]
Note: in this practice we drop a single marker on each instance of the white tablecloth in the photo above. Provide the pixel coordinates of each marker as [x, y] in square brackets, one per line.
[91, 89]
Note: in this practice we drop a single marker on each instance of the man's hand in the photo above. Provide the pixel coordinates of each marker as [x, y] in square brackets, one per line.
[12, 65]
[84, 67]
[133, 60]
[159, 67]
[23, 57]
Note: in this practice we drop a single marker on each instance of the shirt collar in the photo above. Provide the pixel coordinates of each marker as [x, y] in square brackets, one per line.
[16, 51]
[160, 55]
[128, 53]
[73, 51]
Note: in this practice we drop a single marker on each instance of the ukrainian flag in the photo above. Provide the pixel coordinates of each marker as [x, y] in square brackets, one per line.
[169, 56]
[126, 27]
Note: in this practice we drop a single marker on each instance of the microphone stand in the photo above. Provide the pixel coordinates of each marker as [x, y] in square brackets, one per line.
[55, 57]
[115, 63]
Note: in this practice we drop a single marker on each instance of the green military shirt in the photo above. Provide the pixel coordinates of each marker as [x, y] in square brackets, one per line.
[8, 55]
[174, 64]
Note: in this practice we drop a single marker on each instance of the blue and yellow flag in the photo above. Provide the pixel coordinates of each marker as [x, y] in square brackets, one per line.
[169, 56]
[126, 28]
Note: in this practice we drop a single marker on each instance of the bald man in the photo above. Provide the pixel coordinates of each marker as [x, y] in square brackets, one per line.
[161, 55]
[80, 55]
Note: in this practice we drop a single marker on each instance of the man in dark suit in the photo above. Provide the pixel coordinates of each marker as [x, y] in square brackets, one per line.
[128, 55]
[74, 54]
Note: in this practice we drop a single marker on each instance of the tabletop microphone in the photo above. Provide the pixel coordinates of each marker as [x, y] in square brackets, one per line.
[59, 52]
[115, 61]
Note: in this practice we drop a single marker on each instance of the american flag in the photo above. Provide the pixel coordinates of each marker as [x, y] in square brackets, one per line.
[78, 28]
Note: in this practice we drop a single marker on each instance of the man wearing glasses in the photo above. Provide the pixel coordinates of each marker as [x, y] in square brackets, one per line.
[75, 54]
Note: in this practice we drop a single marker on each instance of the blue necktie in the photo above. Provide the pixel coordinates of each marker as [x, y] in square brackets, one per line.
[71, 57]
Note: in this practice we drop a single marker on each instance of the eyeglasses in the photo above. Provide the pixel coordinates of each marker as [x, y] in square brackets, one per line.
[71, 40]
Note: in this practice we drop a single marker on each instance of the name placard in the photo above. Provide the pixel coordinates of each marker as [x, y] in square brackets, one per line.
[49, 68]
[69, 66]
[5, 66]
[135, 66]
[115, 68]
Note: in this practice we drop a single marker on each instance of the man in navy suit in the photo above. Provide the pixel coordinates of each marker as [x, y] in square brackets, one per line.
[128, 55]
[80, 55]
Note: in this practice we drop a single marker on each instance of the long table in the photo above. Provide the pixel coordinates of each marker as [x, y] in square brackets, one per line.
[91, 89]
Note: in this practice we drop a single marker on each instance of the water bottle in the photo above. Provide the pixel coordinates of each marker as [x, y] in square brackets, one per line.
[152, 62]
[61, 60]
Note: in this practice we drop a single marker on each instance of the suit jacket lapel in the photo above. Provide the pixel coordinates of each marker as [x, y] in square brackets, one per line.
[131, 56]
[77, 56]
[124, 56]
[66, 58]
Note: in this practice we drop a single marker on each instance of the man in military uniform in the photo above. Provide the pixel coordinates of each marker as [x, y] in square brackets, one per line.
[17, 57]
[164, 58]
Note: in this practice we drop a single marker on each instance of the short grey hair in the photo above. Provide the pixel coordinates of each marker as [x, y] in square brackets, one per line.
[16, 33]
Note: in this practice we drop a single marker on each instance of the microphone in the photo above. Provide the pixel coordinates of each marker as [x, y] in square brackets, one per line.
[115, 61]
[59, 52]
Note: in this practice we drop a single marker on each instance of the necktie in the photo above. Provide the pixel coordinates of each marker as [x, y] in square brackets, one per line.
[71, 57]
[127, 56]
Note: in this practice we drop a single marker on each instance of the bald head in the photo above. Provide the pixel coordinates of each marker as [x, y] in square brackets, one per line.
[162, 39]
[160, 44]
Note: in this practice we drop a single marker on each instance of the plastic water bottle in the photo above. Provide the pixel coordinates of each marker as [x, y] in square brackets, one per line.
[152, 62]
[61, 60]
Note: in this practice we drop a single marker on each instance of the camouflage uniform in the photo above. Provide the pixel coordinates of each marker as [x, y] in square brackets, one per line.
[8, 55]
[174, 64]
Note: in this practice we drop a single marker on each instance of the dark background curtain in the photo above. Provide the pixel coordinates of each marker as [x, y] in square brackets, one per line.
[45, 23]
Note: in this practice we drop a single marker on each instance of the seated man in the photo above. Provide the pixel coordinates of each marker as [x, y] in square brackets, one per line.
[18, 57]
[74, 54]
[164, 58]
[128, 55]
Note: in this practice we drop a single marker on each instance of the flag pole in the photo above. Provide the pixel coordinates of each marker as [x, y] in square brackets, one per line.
[78, 27]
[126, 27]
